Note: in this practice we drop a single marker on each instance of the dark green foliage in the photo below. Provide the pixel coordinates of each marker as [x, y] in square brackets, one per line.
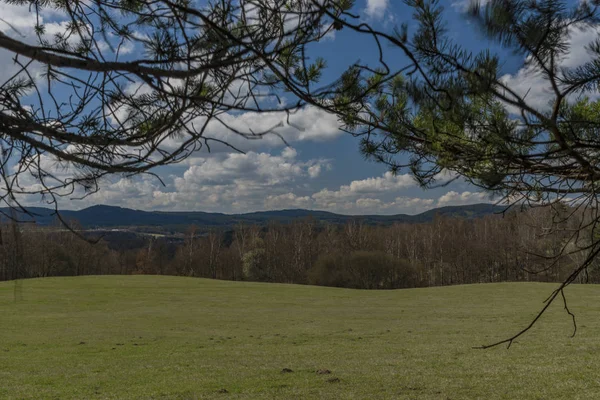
[254, 267]
[455, 111]
[363, 270]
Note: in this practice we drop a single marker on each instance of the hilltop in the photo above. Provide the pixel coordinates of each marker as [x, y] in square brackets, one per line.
[102, 216]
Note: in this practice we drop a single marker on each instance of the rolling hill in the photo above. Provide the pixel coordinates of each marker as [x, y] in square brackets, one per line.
[102, 216]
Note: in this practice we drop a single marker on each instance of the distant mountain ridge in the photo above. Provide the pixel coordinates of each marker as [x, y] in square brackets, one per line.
[102, 216]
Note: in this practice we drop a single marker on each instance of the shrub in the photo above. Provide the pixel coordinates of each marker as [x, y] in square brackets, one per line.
[253, 266]
[363, 270]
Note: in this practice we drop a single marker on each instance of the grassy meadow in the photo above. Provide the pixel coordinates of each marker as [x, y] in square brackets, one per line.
[149, 337]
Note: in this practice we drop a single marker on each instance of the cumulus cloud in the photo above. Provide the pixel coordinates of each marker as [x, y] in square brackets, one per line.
[376, 8]
[259, 179]
[404, 205]
[314, 171]
[225, 182]
[361, 205]
[15, 19]
[358, 197]
[309, 124]
[120, 48]
[287, 200]
[235, 183]
[453, 198]
[415, 203]
[529, 81]
[463, 5]
[242, 180]
[386, 183]
[241, 168]
[19, 22]
[134, 193]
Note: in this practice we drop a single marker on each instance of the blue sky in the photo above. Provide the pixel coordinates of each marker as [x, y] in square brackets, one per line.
[323, 168]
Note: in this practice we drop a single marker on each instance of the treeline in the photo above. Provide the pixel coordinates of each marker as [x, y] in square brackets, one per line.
[536, 245]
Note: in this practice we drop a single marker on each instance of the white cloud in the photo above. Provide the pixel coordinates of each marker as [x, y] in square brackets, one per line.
[287, 200]
[453, 198]
[358, 197]
[414, 203]
[122, 48]
[369, 205]
[363, 205]
[237, 183]
[314, 171]
[133, 193]
[388, 183]
[329, 35]
[376, 8]
[18, 22]
[463, 5]
[309, 124]
[401, 205]
[227, 182]
[530, 83]
[241, 169]
[255, 181]
[232, 182]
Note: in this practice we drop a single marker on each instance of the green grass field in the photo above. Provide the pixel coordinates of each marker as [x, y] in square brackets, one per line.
[147, 337]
